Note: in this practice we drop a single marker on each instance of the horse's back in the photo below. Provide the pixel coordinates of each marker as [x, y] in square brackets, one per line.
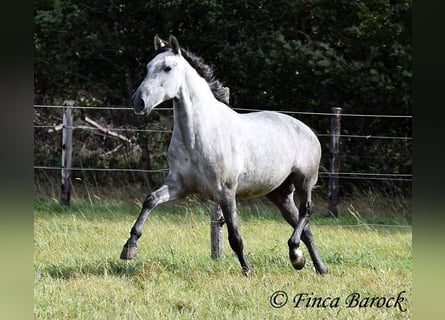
[275, 146]
[281, 133]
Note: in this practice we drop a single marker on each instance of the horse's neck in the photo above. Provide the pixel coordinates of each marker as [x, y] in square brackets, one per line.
[194, 109]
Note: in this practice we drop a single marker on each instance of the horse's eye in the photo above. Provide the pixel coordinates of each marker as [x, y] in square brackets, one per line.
[167, 68]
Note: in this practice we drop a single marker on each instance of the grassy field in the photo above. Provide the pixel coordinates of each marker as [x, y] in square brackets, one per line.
[78, 273]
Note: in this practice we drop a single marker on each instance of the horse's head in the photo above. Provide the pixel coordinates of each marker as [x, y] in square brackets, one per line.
[163, 79]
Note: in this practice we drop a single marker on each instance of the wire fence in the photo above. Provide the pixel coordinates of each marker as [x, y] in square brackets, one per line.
[237, 109]
[170, 131]
[390, 176]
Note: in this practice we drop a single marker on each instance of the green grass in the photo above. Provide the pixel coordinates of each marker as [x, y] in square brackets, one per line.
[78, 273]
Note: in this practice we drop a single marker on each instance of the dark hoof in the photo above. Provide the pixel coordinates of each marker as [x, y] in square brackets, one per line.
[129, 253]
[297, 259]
[248, 271]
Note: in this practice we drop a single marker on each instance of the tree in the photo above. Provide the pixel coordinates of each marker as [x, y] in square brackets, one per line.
[304, 55]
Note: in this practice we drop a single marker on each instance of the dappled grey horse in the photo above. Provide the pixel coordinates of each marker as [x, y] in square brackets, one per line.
[223, 155]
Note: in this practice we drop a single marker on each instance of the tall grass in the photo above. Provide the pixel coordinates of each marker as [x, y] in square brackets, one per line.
[78, 273]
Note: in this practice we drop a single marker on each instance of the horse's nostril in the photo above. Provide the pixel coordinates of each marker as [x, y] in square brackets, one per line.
[137, 103]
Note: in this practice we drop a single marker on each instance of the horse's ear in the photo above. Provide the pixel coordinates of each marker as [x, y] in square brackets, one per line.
[174, 44]
[159, 43]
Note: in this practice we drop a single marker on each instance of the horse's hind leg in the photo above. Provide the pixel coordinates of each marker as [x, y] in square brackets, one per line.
[303, 231]
[309, 241]
[170, 190]
[283, 198]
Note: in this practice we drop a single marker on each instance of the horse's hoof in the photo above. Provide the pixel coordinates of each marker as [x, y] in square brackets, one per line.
[129, 253]
[297, 259]
[248, 271]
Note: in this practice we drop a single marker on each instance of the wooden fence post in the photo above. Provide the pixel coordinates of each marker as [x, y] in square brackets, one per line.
[334, 162]
[67, 147]
[216, 232]
[217, 219]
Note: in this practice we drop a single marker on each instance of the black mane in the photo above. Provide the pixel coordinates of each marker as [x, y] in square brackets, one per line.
[204, 70]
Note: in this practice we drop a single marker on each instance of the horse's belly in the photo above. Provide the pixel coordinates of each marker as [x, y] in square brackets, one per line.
[252, 186]
[253, 192]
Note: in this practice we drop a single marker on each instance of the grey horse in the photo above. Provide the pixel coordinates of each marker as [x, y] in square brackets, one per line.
[223, 155]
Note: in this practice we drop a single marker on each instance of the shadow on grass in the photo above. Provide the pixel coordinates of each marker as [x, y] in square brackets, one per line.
[97, 268]
[135, 268]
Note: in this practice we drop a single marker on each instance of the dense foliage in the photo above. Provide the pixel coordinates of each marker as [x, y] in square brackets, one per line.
[299, 55]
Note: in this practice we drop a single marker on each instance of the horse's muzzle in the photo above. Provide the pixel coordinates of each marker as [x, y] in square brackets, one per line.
[138, 105]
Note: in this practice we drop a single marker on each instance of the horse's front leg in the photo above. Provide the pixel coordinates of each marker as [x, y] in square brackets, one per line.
[228, 207]
[167, 192]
